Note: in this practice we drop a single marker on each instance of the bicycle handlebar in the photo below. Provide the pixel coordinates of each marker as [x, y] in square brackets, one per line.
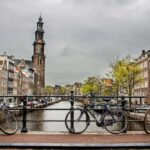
[4, 106]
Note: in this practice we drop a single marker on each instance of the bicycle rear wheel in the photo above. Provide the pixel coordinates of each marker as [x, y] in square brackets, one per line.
[147, 122]
[77, 121]
[8, 122]
[115, 121]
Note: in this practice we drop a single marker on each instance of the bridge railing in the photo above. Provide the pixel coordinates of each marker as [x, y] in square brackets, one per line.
[122, 101]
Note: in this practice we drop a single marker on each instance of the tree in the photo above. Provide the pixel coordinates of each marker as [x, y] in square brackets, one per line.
[63, 90]
[126, 74]
[91, 85]
[49, 90]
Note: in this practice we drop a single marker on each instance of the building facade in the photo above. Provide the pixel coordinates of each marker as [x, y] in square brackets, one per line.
[3, 76]
[77, 88]
[7, 73]
[38, 58]
[23, 77]
[143, 88]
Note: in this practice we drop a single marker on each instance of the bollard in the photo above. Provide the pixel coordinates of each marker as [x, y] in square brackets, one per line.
[72, 111]
[24, 119]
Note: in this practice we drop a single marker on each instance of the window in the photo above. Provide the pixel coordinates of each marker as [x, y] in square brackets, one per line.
[11, 75]
[145, 74]
[145, 64]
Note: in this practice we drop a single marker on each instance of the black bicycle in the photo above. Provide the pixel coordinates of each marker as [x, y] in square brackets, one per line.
[113, 120]
[8, 122]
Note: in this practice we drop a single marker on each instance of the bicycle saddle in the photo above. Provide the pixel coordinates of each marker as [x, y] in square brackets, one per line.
[106, 99]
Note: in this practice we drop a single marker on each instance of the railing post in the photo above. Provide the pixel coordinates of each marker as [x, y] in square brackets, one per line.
[72, 112]
[123, 103]
[140, 100]
[24, 119]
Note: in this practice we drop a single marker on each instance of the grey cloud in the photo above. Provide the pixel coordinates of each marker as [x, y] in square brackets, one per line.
[82, 36]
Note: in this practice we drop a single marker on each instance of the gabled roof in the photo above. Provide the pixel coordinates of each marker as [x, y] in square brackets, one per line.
[23, 63]
[144, 54]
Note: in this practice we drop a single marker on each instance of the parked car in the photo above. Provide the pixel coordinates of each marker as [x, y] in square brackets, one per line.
[12, 105]
[21, 104]
[30, 103]
[34, 103]
[43, 101]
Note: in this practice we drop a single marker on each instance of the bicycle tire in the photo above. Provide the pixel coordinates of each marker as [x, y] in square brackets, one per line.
[80, 122]
[147, 121]
[8, 122]
[115, 121]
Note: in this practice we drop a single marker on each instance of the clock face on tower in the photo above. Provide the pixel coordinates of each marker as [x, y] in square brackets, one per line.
[38, 49]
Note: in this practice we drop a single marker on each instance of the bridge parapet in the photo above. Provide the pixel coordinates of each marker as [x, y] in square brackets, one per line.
[120, 102]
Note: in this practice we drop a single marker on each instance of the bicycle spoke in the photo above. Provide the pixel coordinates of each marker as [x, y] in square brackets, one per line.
[115, 121]
[147, 122]
[76, 122]
[8, 122]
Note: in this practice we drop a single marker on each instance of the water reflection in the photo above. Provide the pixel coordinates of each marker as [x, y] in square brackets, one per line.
[35, 115]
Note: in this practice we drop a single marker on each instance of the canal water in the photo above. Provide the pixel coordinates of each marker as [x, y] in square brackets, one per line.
[47, 125]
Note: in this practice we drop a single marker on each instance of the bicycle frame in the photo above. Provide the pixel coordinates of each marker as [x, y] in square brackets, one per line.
[100, 121]
[108, 118]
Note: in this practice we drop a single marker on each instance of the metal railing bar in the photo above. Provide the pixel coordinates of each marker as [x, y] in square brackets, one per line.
[48, 108]
[64, 120]
[68, 96]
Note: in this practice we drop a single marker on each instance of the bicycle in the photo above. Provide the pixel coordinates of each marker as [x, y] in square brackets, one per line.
[8, 122]
[147, 121]
[113, 120]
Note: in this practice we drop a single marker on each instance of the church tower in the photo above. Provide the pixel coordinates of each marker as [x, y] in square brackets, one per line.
[38, 58]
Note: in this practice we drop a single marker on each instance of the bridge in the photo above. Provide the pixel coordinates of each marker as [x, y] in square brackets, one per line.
[138, 140]
[64, 140]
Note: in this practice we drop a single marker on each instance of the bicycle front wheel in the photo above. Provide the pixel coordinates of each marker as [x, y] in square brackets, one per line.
[8, 122]
[147, 122]
[115, 121]
[77, 121]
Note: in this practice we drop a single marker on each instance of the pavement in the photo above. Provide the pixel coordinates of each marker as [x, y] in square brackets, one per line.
[66, 140]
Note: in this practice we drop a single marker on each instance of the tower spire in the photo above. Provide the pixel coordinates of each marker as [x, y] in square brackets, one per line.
[38, 57]
[40, 18]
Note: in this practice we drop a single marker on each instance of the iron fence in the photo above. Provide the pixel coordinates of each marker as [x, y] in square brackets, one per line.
[70, 98]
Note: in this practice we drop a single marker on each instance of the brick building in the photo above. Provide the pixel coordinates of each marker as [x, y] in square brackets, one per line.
[143, 89]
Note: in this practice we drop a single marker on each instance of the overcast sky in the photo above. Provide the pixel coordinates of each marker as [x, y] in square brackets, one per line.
[82, 36]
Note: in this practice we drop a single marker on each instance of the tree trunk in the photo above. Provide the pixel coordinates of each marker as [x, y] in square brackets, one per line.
[130, 94]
